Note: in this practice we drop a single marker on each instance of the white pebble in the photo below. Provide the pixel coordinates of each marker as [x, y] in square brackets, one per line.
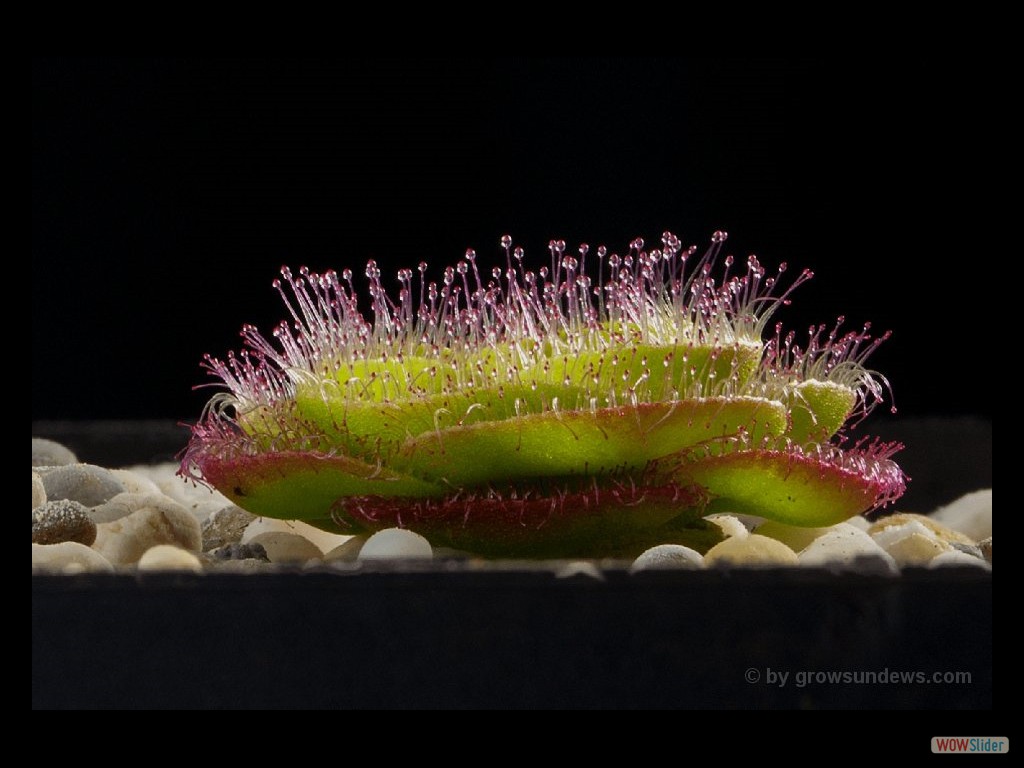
[285, 547]
[754, 550]
[185, 492]
[955, 558]
[793, 536]
[324, 540]
[938, 530]
[159, 521]
[69, 557]
[164, 557]
[38, 491]
[48, 453]
[910, 544]
[915, 549]
[730, 525]
[201, 510]
[396, 544]
[668, 557]
[124, 504]
[970, 514]
[846, 547]
[579, 568]
[85, 483]
[859, 521]
[133, 482]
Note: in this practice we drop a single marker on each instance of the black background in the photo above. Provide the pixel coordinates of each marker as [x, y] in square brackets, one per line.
[166, 194]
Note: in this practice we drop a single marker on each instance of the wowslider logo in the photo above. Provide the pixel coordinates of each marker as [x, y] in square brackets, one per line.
[994, 745]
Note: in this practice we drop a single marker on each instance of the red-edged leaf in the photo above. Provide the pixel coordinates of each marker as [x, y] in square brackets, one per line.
[619, 520]
[797, 488]
[303, 485]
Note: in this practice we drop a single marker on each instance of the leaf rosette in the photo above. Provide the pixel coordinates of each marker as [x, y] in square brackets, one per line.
[548, 413]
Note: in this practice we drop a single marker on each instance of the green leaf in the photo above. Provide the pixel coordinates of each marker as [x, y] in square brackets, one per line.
[591, 443]
[368, 408]
[303, 485]
[818, 410]
[784, 486]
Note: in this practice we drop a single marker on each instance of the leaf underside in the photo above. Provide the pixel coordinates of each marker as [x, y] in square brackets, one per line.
[613, 521]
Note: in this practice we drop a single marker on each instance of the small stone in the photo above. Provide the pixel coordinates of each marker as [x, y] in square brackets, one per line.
[845, 547]
[971, 514]
[793, 536]
[62, 520]
[754, 550]
[347, 552]
[189, 494]
[940, 531]
[985, 545]
[968, 549]
[579, 568]
[910, 544]
[730, 525]
[133, 482]
[124, 504]
[240, 552]
[324, 540]
[859, 521]
[248, 565]
[284, 547]
[38, 491]
[165, 557]
[201, 509]
[68, 557]
[395, 544]
[48, 453]
[225, 526]
[915, 549]
[954, 558]
[668, 557]
[159, 520]
[85, 483]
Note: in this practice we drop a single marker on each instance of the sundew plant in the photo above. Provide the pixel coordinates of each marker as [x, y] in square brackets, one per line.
[597, 406]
